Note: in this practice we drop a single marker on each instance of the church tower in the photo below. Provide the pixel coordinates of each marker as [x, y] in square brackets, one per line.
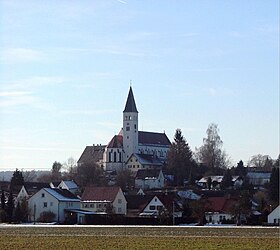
[130, 127]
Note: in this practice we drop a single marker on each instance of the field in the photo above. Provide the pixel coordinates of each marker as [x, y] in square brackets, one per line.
[103, 237]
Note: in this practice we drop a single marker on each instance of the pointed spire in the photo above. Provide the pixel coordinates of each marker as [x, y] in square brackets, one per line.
[130, 105]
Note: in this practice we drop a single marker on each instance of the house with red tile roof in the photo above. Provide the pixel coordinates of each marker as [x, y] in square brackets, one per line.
[104, 200]
[219, 209]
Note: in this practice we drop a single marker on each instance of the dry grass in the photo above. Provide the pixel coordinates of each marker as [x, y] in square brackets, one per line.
[138, 238]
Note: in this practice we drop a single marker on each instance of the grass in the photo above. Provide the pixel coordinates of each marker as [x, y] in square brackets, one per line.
[13, 237]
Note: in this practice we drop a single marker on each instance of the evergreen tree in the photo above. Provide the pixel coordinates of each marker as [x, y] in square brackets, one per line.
[180, 160]
[3, 200]
[10, 207]
[227, 180]
[274, 185]
[17, 179]
[240, 169]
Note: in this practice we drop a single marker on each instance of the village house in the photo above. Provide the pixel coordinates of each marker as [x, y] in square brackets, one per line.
[69, 185]
[104, 200]
[52, 200]
[219, 209]
[149, 179]
[274, 216]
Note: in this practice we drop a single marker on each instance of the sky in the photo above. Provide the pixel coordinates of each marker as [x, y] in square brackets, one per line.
[66, 67]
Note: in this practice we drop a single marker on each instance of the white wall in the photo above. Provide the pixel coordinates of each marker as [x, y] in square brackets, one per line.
[274, 216]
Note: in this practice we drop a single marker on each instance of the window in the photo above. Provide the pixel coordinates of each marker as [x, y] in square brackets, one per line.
[159, 207]
[110, 157]
[43, 195]
[119, 209]
[45, 204]
[135, 126]
[127, 128]
[115, 156]
[120, 157]
[119, 201]
[152, 207]
[130, 118]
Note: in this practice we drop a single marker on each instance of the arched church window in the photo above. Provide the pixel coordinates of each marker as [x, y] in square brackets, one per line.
[110, 157]
[120, 157]
[115, 156]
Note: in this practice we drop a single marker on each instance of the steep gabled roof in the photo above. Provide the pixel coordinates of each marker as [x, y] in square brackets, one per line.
[116, 142]
[152, 138]
[92, 193]
[62, 194]
[220, 204]
[92, 154]
[144, 159]
[130, 105]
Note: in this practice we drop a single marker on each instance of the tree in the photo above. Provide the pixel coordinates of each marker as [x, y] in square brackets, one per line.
[125, 179]
[89, 173]
[211, 153]
[29, 176]
[70, 167]
[240, 169]
[179, 159]
[56, 171]
[17, 179]
[10, 207]
[227, 180]
[209, 183]
[199, 207]
[242, 207]
[260, 161]
[274, 185]
[3, 200]
[18, 213]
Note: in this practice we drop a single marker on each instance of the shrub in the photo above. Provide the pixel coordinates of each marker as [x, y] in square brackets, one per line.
[46, 217]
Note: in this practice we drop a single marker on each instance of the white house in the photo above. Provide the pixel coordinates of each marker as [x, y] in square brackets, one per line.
[274, 216]
[258, 178]
[52, 200]
[149, 179]
[114, 155]
[69, 185]
[160, 203]
[103, 199]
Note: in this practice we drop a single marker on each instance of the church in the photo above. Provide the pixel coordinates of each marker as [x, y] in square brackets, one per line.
[130, 149]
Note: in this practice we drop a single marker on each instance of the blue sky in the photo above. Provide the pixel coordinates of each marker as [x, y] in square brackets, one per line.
[66, 66]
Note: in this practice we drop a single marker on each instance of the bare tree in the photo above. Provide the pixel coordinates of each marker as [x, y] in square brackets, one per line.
[29, 176]
[70, 167]
[211, 153]
[260, 161]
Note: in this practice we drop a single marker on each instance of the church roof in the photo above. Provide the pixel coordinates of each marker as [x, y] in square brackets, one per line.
[116, 142]
[152, 138]
[130, 105]
[92, 154]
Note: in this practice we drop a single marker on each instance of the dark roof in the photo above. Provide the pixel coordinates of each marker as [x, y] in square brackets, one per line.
[130, 105]
[62, 194]
[33, 187]
[146, 159]
[116, 142]
[138, 201]
[152, 138]
[100, 193]
[147, 173]
[92, 154]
